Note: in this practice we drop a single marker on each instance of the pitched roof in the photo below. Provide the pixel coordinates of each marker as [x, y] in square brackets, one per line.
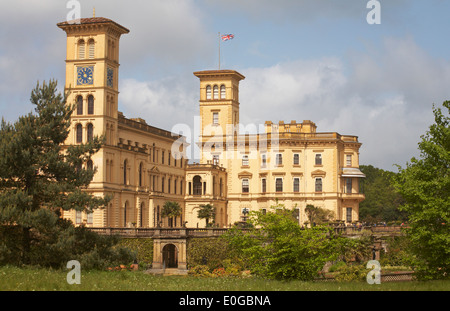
[91, 20]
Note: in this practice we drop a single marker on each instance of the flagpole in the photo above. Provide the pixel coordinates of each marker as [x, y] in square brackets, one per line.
[219, 50]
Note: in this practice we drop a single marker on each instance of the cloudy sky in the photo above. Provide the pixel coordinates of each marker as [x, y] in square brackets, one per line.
[316, 60]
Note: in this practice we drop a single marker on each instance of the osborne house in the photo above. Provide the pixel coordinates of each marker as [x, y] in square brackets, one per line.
[142, 167]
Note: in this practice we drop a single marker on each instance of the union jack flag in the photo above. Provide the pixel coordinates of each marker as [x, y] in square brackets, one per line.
[227, 37]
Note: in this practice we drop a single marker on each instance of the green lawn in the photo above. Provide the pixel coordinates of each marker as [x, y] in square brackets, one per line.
[30, 279]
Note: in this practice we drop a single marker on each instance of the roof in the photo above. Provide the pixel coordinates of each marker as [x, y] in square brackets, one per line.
[218, 73]
[352, 172]
[91, 20]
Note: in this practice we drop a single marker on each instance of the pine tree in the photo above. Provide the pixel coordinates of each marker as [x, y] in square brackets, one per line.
[39, 176]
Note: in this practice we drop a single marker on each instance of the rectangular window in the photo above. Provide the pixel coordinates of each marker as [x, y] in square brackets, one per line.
[216, 159]
[349, 214]
[318, 159]
[318, 185]
[162, 157]
[348, 185]
[296, 184]
[245, 160]
[349, 159]
[78, 217]
[90, 218]
[263, 160]
[296, 159]
[279, 159]
[245, 185]
[263, 185]
[215, 118]
[279, 185]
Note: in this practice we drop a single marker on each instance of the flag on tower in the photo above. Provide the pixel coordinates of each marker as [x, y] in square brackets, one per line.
[227, 37]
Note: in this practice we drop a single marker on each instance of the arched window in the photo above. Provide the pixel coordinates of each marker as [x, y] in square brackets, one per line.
[90, 132]
[125, 168]
[223, 92]
[208, 92]
[79, 131]
[79, 105]
[81, 49]
[91, 45]
[197, 180]
[90, 104]
[216, 92]
[141, 220]
[125, 207]
[141, 174]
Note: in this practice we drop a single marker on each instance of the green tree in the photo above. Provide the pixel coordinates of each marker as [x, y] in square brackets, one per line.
[382, 201]
[318, 215]
[40, 178]
[170, 210]
[277, 247]
[425, 186]
[207, 212]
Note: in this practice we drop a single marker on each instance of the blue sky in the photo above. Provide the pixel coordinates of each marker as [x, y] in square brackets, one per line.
[303, 60]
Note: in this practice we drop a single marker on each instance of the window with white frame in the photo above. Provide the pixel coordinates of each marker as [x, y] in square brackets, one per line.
[263, 185]
[318, 184]
[279, 159]
[318, 159]
[349, 214]
[296, 159]
[263, 160]
[348, 185]
[245, 185]
[296, 185]
[223, 92]
[245, 160]
[215, 92]
[215, 118]
[349, 159]
[208, 92]
[279, 184]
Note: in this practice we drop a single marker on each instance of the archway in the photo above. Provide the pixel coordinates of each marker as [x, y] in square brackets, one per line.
[170, 256]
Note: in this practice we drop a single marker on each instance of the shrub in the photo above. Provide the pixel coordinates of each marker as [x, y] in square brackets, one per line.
[352, 273]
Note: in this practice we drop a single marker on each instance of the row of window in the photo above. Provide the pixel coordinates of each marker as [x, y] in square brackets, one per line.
[154, 181]
[213, 92]
[278, 159]
[279, 185]
[82, 49]
[90, 106]
[79, 132]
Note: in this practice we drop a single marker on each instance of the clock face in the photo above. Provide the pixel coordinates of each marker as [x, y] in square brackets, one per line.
[85, 75]
[110, 77]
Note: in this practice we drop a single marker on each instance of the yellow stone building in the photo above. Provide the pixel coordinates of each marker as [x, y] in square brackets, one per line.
[142, 166]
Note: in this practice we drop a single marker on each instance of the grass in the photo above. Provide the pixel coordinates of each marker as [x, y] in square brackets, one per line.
[34, 279]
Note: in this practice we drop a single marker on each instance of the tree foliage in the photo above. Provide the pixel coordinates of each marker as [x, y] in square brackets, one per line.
[276, 247]
[318, 215]
[425, 186]
[170, 210]
[207, 212]
[382, 201]
[39, 178]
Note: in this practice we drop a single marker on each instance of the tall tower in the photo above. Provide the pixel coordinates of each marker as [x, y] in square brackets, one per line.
[92, 65]
[219, 106]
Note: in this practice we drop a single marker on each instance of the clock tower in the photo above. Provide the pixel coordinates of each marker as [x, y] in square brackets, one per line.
[92, 65]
